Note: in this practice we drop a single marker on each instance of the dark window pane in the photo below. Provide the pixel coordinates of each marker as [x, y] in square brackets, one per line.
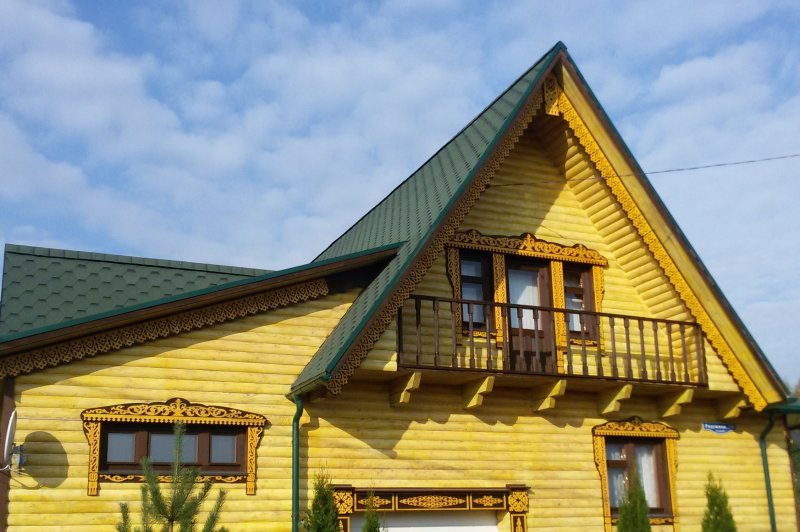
[572, 279]
[120, 447]
[162, 447]
[223, 448]
[471, 268]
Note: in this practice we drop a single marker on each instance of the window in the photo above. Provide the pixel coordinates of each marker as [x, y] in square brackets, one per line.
[579, 295]
[220, 441]
[476, 285]
[620, 446]
[213, 449]
[523, 271]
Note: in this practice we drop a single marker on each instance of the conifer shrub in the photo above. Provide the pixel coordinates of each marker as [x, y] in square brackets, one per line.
[177, 507]
[633, 511]
[322, 516]
[718, 516]
[372, 521]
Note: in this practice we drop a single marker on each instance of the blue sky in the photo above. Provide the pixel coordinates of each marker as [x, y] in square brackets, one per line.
[253, 133]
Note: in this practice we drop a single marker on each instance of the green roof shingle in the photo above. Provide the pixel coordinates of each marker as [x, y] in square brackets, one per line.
[43, 286]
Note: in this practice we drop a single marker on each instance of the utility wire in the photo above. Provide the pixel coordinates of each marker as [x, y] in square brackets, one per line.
[668, 171]
[717, 165]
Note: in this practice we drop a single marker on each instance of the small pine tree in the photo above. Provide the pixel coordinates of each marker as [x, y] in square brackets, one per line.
[718, 516]
[633, 512]
[322, 517]
[178, 506]
[372, 521]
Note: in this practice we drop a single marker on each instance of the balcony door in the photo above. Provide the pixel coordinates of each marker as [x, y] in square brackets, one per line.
[529, 331]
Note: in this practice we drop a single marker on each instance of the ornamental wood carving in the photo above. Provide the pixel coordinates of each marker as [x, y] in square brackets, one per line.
[513, 498]
[527, 245]
[174, 324]
[635, 427]
[175, 410]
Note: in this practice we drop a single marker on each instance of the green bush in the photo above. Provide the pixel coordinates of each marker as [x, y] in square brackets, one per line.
[178, 506]
[372, 521]
[322, 517]
[633, 512]
[718, 516]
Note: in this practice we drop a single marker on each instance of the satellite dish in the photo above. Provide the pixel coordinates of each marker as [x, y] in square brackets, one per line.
[8, 446]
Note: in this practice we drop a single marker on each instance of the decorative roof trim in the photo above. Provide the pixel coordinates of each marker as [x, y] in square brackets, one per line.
[528, 245]
[563, 106]
[170, 325]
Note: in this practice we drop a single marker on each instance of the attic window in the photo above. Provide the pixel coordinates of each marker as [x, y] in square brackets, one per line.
[220, 441]
[528, 272]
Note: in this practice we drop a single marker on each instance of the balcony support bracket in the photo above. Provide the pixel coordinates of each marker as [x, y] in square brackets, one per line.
[671, 404]
[731, 407]
[400, 389]
[544, 396]
[472, 393]
[610, 401]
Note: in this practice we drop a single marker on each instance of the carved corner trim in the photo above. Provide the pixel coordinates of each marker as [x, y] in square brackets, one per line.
[653, 243]
[104, 342]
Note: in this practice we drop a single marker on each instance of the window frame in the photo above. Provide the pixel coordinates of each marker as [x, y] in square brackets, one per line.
[633, 431]
[143, 419]
[498, 250]
[142, 442]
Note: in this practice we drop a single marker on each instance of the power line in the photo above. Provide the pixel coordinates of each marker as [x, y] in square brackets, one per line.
[717, 165]
[668, 171]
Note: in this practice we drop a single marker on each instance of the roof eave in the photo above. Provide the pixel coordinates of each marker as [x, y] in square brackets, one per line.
[45, 336]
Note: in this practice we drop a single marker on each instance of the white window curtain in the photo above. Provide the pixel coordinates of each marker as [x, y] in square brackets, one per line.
[646, 462]
[523, 289]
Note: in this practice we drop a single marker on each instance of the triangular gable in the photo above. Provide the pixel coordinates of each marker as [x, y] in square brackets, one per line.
[553, 86]
[43, 286]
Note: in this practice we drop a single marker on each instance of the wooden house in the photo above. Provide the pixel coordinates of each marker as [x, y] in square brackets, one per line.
[494, 346]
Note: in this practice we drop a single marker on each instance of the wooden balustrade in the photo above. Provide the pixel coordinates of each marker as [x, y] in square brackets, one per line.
[519, 339]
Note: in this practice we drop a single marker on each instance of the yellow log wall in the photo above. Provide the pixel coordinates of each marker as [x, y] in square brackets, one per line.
[530, 194]
[248, 364]
[433, 442]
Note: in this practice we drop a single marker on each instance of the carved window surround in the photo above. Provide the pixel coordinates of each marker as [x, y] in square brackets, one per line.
[636, 428]
[526, 245]
[175, 410]
[513, 498]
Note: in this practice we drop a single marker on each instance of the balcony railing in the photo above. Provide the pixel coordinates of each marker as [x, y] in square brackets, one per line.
[452, 334]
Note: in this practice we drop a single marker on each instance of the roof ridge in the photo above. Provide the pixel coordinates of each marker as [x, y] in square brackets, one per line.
[38, 251]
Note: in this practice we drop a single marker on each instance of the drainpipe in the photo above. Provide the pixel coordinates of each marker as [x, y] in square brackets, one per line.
[765, 464]
[298, 400]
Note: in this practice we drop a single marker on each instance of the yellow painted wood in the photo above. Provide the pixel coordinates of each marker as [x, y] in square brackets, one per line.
[247, 364]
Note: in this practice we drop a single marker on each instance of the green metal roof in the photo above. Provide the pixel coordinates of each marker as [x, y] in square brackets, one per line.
[149, 303]
[44, 286]
[412, 211]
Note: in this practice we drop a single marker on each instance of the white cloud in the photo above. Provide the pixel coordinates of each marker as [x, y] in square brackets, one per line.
[255, 132]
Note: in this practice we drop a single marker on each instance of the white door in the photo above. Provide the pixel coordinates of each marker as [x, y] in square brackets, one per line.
[455, 521]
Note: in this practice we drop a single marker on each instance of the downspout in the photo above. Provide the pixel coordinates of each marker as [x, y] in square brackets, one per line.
[765, 464]
[298, 400]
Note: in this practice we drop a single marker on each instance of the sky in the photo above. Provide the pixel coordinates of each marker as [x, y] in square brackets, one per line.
[254, 133]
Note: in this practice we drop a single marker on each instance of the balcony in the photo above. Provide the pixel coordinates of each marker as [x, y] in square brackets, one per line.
[498, 338]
